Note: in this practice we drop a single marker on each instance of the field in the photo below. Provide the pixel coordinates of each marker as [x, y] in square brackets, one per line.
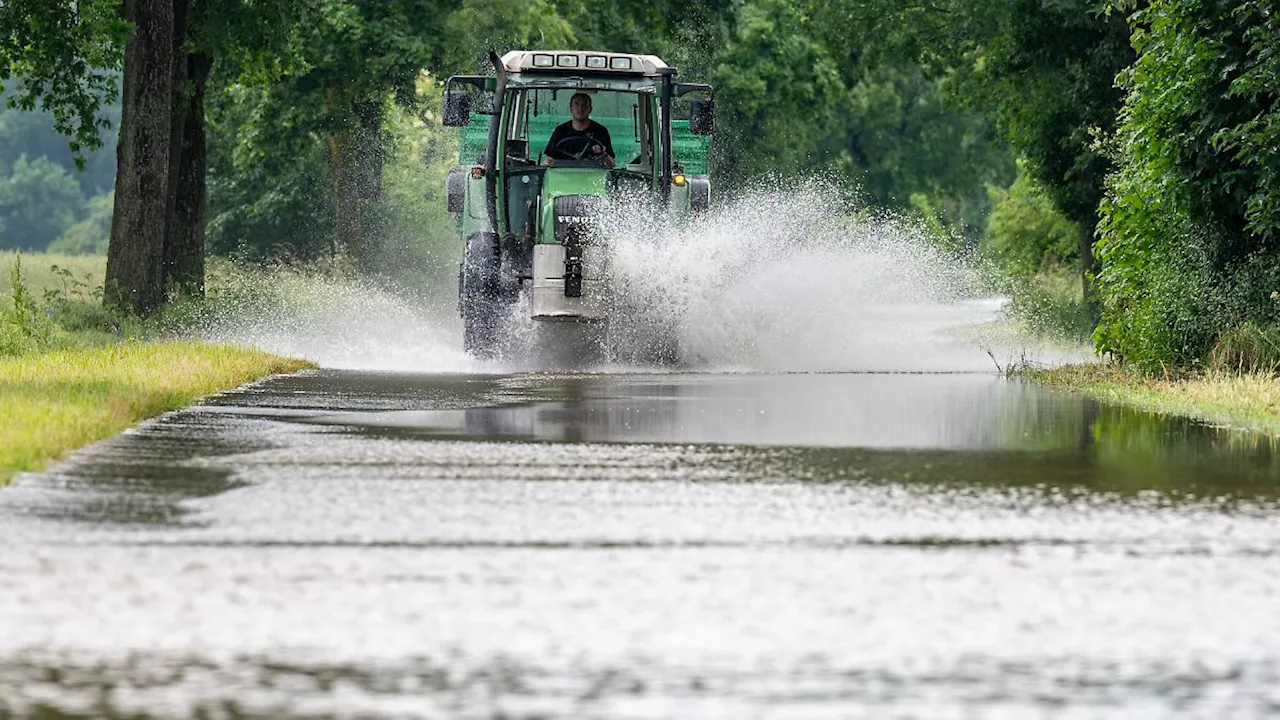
[87, 272]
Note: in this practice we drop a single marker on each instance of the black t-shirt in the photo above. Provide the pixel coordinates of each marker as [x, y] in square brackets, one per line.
[566, 143]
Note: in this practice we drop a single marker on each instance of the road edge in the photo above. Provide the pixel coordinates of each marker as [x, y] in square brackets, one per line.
[1247, 402]
[56, 402]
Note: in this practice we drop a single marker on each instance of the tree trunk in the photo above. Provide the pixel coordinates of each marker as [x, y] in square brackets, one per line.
[346, 206]
[1089, 266]
[369, 160]
[184, 249]
[178, 117]
[135, 257]
[356, 159]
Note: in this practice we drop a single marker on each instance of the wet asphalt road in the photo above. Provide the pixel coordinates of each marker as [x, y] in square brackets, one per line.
[341, 544]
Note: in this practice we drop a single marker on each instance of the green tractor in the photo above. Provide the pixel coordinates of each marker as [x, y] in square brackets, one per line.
[529, 213]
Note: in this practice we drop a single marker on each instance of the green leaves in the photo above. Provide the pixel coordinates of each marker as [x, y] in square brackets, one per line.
[1028, 233]
[39, 200]
[1189, 228]
[65, 57]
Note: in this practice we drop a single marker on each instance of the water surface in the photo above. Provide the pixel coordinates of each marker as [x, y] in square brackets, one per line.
[648, 545]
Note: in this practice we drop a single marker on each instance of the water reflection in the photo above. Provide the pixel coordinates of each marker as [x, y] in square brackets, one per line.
[562, 546]
[1005, 432]
[941, 430]
[869, 411]
[144, 477]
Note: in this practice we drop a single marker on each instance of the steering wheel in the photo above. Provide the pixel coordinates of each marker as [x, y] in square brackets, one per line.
[578, 147]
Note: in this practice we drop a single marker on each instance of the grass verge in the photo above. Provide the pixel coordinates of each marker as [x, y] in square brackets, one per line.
[53, 402]
[1248, 401]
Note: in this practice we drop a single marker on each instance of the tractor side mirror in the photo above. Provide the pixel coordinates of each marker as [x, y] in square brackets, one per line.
[457, 108]
[702, 116]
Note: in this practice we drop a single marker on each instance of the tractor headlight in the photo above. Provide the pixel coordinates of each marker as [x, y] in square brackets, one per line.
[543, 61]
[620, 63]
[567, 60]
[597, 62]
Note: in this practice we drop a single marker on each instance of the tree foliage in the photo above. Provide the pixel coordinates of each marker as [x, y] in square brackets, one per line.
[1028, 233]
[298, 163]
[1189, 237]
[33, 134]
[90, 235]
[901, 140]
[66, 56]
[1046, 74]
[1041, 72]
[39, 200]
[35, 164]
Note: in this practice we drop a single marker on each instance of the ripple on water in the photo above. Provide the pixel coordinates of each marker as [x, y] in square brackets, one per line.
[623, 546]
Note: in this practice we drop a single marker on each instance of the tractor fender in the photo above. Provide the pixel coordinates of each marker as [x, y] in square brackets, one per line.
[699, 194]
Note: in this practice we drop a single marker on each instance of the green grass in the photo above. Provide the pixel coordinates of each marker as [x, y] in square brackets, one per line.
[87, 271]
[57, 305]
[1246, 401]
[71, 373]
[53, 402]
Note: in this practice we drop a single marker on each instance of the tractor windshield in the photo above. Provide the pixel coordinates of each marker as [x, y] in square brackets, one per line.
[534, 114]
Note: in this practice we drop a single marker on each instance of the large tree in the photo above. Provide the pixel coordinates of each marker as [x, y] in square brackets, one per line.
[135, 278]
[158, 228]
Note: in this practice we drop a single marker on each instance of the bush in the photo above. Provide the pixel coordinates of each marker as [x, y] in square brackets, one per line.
[1027, 234]
[1247, 349]
[1190, 228]
[1161, 307]
[1051, 304]
[23, 328]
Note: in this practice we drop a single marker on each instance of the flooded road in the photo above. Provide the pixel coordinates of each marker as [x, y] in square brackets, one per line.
[344, 544]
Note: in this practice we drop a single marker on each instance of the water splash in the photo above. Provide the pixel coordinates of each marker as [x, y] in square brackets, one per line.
[338, 322]
[795, 281]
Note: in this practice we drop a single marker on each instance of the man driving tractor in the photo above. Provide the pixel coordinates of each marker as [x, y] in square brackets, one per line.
[580, 138]
[531, 240]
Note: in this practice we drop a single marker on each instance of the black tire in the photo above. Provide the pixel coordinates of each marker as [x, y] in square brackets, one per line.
[478, 301]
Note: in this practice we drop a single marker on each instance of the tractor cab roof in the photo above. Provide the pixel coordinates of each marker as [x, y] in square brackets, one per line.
[580, 62]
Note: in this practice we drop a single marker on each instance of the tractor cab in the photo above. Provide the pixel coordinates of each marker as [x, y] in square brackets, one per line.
[527, 211]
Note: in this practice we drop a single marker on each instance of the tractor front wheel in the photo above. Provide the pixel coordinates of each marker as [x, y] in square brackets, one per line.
[478, 290]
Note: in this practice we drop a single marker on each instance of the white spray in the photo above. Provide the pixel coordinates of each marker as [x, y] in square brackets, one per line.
[792, 282]
[767, 281]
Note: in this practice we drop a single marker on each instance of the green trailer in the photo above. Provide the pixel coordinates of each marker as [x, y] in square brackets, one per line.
[528, 224]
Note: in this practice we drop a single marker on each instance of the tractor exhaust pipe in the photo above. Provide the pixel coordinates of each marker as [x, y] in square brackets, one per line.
[665, 95]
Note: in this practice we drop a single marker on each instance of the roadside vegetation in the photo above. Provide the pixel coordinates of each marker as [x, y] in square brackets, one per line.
[72, 373]
[53, 402]
[1243, 401]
